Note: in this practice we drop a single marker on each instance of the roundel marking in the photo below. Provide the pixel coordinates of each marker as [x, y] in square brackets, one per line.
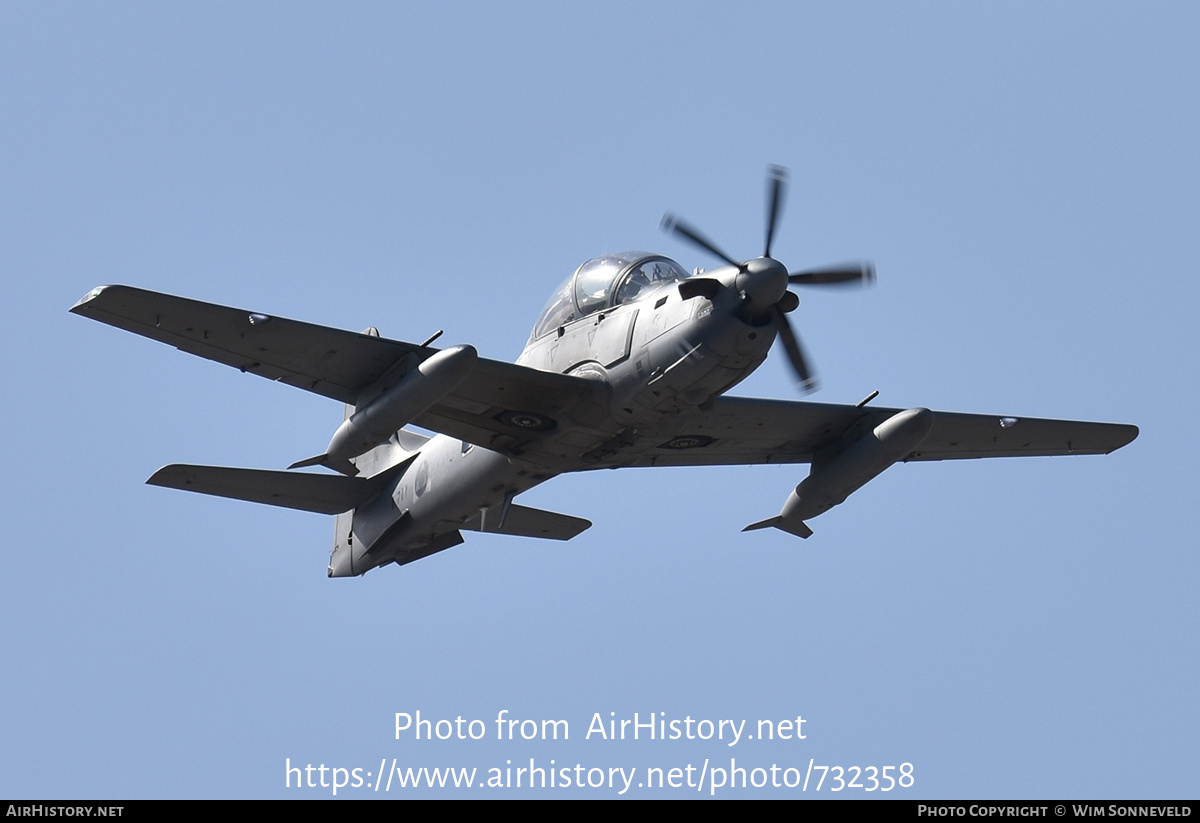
[687, 441]
[527, 420]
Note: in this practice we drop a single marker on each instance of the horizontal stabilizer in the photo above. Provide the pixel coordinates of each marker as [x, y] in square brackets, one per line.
[523, 521]
[321, 493]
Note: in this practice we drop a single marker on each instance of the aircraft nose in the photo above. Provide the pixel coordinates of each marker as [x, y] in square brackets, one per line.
[763, 281]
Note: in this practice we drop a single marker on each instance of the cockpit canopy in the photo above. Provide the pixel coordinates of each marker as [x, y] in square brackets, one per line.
[604, 282]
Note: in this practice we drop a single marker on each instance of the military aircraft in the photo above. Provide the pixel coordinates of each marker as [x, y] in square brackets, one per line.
[627, 365]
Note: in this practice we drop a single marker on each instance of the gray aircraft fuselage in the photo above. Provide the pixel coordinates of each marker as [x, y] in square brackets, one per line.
[662, 358]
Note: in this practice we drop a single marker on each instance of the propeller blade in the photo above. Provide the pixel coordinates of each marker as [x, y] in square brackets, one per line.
[673, 225]
[791, 345]
[776, 186]
[846, 274]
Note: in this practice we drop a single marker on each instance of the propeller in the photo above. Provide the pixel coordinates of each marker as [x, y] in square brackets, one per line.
[672, 224]
[847, 274]
[763, 281]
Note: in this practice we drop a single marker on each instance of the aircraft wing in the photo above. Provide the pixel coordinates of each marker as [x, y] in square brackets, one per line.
[747, 431]
[484, 409]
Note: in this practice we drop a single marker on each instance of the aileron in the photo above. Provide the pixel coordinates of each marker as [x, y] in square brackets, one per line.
[329, 362]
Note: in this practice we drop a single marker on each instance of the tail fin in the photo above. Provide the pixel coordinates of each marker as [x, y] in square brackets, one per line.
[796, 527]
[347, 467]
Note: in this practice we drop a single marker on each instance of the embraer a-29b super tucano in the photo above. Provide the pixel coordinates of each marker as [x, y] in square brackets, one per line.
[627, 365]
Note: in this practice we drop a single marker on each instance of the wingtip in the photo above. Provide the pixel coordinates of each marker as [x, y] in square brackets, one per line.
[1131, 433]
[87, 298]
[173, 476]
[159, 477]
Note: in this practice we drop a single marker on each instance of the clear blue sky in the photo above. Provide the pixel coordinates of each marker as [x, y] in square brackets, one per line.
[1025, 178]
